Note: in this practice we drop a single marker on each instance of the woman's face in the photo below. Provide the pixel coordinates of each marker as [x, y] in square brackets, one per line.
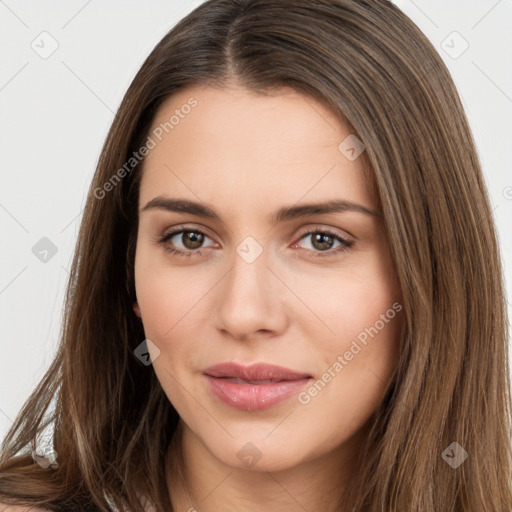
[253, 286]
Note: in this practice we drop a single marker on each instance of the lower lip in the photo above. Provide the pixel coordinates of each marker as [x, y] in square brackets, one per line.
[254, 397]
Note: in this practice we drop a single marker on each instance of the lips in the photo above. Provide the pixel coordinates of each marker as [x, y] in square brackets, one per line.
[253, 388]
[255, 373]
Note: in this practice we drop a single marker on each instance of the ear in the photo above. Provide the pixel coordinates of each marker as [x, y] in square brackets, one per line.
[136, 309]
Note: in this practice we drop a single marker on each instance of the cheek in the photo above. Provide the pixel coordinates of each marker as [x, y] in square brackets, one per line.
[355, 367]
[169, 298]
[352, 303]
[173, 303]
[356, 334]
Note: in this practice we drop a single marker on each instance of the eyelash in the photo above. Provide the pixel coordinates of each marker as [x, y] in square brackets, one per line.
[345, 244]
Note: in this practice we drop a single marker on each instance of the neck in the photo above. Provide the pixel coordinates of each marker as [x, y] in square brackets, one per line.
[199, 482]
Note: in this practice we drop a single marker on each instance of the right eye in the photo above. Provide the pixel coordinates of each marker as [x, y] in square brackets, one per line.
[191, 240]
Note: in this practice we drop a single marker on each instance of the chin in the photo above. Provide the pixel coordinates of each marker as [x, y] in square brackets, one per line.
[257, 455]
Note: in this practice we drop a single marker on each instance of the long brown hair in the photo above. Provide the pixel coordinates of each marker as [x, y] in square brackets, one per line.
[373, 67]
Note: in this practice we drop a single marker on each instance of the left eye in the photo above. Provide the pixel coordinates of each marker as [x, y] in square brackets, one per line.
[323, 241]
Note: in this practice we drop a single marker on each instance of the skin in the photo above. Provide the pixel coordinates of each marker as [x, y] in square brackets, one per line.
[246, 156]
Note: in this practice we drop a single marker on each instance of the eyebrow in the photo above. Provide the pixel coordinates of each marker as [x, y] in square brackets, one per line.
[286, 213]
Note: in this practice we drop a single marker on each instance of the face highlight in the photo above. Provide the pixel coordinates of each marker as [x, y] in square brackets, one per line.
[235, 263]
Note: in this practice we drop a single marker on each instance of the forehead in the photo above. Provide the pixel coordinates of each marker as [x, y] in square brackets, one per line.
[234, 145]
[246, 120]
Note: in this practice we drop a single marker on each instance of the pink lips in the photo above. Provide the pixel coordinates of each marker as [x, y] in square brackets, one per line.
[254, 387]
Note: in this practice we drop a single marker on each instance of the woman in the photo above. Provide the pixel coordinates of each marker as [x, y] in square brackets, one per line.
[286, 292]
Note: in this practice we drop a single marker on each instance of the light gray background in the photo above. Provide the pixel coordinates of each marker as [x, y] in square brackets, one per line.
[55, 113]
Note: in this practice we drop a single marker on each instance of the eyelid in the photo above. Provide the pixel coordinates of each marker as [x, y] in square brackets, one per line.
[185, 227]
[327, 229]
[304, 230]
[181, 228]
[308, 230]
[346, 242]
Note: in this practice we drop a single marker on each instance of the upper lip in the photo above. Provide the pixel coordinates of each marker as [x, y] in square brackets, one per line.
[254, 372]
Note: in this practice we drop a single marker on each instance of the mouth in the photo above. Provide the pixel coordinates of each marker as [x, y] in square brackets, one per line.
[257, 372]
[256, 387]
[244, 381]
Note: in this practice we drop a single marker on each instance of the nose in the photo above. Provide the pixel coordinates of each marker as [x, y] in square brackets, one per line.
[250, 300]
